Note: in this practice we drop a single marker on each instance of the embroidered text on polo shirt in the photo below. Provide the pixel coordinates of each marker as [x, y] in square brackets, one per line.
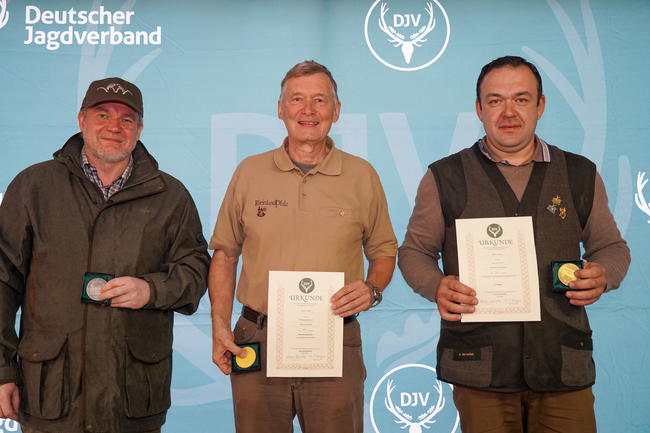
[275, 203]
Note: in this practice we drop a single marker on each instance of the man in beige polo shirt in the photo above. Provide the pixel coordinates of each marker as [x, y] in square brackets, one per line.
[304, 206]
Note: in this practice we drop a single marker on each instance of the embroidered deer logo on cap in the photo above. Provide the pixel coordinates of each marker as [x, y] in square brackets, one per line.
[115, 88]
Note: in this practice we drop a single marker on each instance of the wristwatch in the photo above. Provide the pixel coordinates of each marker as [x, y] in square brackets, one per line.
[376, 293]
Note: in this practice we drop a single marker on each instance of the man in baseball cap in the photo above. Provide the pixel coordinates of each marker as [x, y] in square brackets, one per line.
[99, 249]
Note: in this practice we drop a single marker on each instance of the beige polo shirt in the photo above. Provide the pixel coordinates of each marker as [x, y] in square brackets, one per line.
[280, 219]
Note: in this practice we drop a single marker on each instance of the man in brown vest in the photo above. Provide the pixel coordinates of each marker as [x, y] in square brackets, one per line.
[516, 376]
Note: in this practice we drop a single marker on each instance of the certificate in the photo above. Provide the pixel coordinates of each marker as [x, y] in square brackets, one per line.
[497, 258]
[305, 338]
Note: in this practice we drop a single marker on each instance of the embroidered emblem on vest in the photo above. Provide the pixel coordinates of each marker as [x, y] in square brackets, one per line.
[261, 211]
[555, 207]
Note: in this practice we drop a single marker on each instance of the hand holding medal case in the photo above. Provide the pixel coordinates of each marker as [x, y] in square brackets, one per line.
[252, 360]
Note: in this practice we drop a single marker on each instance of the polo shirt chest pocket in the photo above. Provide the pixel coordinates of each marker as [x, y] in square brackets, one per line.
[340, 221]
[344, 215]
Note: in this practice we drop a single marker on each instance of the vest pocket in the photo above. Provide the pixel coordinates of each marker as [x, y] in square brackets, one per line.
[147, 378]
[578, 367]
[471, 367]
[46, 380]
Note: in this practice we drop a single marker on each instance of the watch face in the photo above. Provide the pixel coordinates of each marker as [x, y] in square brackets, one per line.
[377, 295]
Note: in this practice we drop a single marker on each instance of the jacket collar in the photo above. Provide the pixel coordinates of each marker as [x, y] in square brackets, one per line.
[330, 166]
[145, 167]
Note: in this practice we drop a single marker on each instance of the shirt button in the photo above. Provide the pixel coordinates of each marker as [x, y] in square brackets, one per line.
[304, 195]
[304, 180]
[342, 212]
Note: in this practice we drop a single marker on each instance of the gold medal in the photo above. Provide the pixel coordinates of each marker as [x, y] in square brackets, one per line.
[566, 273]
[248, 360]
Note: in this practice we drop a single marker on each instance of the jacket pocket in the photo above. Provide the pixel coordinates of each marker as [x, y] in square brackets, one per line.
[147, 377]
[46, 379]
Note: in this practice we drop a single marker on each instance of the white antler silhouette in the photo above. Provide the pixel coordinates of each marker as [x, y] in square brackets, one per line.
[638, 197]
[399, 414]
[4, 14]
[415, 39]
[404, 419]
[426, 418]
[396, 38]
[418, 37]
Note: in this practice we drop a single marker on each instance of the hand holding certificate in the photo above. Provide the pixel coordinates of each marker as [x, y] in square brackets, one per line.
[305, 338]
[497, 258]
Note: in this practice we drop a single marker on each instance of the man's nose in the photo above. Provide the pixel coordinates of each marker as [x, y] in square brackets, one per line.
[114, 123]
[508, 108]
[308, 107]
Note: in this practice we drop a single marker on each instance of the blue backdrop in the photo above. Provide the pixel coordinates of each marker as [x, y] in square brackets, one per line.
[210, 74]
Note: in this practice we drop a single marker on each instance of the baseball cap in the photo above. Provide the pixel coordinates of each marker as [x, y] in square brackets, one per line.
[113, 90]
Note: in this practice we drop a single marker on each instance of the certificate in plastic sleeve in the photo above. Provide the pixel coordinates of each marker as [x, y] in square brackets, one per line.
[497, 258]
[305, 338]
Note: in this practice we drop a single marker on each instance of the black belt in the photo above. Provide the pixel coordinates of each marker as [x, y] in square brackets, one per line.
[252, 315]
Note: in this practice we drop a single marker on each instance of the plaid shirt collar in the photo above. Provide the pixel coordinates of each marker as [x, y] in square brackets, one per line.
[91, 173]
[542, 152]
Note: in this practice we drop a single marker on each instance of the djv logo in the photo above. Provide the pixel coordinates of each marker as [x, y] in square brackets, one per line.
[411, 397]
[4, 14]
[407, 35]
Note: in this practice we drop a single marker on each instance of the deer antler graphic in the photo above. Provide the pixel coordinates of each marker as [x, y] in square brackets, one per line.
[4, 15]
[416, 38]
[399, 414]
[426, 418]
[638, 197]
[406, 420]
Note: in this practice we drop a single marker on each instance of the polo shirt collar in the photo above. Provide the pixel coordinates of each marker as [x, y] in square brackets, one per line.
[542, 151]
[331, 165]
